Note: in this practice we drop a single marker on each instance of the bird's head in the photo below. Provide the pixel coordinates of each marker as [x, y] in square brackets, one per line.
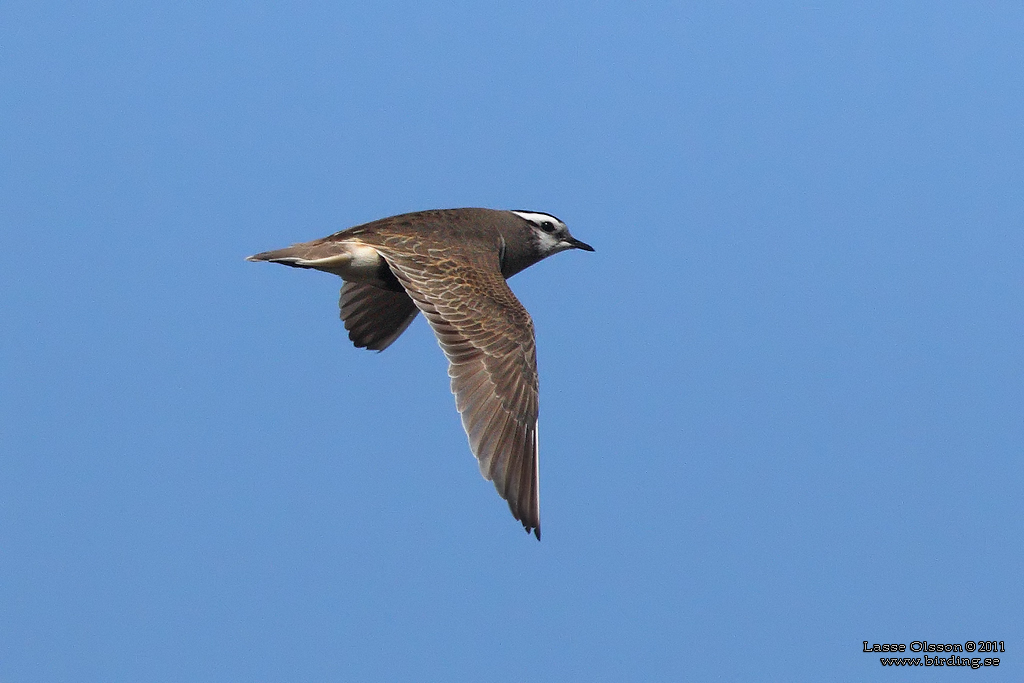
[550, 234]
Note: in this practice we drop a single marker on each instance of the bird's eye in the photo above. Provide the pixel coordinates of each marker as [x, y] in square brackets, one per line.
[547, 226]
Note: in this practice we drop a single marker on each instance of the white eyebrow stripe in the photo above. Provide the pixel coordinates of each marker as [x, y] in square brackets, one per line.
[538, 217]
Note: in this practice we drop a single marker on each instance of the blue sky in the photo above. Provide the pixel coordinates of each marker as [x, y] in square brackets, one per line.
[782, 405]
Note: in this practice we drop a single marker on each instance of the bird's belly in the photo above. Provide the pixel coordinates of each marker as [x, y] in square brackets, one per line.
[363, 265]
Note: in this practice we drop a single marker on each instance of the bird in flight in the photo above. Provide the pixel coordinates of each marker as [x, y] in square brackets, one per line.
[451, 265]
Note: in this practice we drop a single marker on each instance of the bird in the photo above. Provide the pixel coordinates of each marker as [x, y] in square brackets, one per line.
[451, 265]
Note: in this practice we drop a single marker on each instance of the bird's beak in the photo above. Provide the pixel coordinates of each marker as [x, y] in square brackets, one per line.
[576, 244]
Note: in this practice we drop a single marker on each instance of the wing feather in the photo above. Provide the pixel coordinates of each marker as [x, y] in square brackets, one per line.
[375, 317]
[488, 339]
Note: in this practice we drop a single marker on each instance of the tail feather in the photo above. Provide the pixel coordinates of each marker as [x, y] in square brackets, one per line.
[287, 256]
[316, 255]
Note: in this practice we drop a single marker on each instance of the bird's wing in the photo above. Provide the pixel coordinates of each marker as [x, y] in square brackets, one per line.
[487, 336]
[375, 317]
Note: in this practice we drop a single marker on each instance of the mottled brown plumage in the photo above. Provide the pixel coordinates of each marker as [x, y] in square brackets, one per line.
[452, 264]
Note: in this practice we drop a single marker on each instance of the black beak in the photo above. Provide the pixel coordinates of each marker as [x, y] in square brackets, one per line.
[579, 245]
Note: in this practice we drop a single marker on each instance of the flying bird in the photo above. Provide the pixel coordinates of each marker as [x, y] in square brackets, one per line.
[452, 265]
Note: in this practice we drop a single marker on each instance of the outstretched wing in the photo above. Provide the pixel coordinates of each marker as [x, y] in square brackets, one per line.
[487, 336]
[375, 317]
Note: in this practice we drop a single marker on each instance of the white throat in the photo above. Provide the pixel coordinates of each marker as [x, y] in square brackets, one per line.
[548, 244]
